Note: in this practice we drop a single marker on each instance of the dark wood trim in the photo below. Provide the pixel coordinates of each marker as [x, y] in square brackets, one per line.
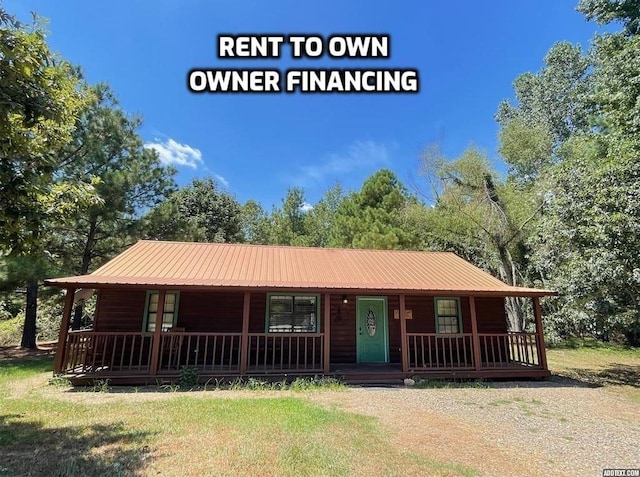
[327, 332]
[64, 330]
[244, 346]
[155, 350]
[542, 352]
[403, 335]
[474, 331]
[317, 290]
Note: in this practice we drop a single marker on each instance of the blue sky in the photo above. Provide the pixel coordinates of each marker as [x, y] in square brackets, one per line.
[468, 53]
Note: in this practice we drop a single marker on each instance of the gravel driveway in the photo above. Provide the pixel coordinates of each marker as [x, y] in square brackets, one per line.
[528, 428]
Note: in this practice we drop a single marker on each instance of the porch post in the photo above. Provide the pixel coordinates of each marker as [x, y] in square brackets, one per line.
[327, 333]
[155, 350]
[477, 357]
[244, 346]
[542, 352]
[403, 335]
[61, 348]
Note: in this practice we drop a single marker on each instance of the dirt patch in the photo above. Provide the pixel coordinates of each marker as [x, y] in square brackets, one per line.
[16, 352]
[507, 429]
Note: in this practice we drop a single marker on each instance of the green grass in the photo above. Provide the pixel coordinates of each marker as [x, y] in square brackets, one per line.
[12, 369]
[594, 363]
[55, 430]
[52, 430]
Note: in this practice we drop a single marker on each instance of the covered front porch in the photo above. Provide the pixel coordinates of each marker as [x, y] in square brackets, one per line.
[223, 335]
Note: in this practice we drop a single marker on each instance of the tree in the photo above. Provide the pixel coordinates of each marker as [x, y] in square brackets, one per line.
[40, 97]
[587, 246]
[320, 219]
[106, 145]
[482, 218]
[198, 212]
[375, 217]
[255, 223]
[607, 11]
[288, 223]
[549, 109]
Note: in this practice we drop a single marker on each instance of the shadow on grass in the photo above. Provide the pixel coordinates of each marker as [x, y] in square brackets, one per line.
[29, 448]
[612, 375]
[30, 364]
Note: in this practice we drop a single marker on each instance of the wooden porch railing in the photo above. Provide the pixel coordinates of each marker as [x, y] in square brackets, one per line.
[431, 350]
[295, 352]
[509, 350]
[88, 352]
[96, 352]
[209, 352]
[428, 351]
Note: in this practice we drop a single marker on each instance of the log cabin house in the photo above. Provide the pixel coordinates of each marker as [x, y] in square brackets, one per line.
[233, 310]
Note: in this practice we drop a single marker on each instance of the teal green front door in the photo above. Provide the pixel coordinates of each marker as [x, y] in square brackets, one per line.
[372, 340]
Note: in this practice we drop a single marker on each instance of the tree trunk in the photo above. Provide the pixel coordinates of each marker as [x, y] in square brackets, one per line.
[86, 262]
[76, 323]
[29, 330]
[514, 306]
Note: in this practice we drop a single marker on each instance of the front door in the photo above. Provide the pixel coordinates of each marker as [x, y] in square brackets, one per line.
[371, 330]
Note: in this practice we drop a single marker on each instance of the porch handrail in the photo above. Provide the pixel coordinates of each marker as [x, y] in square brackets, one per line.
[428, 351]
[218, 352]
[440, 350]
[510, 349]
[106, 351]
[286, 352]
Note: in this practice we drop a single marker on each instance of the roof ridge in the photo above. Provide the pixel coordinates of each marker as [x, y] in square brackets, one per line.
[299, 247]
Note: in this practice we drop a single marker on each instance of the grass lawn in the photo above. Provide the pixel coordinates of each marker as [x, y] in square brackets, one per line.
[57, 430]
[43, 433]
[614, 367]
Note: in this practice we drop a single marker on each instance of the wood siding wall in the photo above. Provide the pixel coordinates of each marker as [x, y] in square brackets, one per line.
[491, 315]
[120, 310]
[123, 310]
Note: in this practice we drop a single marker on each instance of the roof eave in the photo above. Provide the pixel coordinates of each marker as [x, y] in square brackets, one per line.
[73, 282]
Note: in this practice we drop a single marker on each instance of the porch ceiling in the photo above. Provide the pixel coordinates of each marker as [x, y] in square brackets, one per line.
[204, 265]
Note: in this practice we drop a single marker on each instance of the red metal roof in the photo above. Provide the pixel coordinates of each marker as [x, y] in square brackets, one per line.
[184, 264]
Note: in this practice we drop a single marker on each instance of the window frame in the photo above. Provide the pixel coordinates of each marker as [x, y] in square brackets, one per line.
[145, 317]
[437, 316]
[267, 319]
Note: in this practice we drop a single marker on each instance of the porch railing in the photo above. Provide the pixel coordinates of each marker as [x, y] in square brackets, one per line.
[428, 351]
[209, 352]
[90, 352]
[216, 353]
[299, 352]
[509, 350]
[431, 350]
[95, 352]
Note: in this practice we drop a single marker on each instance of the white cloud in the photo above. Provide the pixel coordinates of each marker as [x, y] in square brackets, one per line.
[359, 155]
[306, 207]
[221, 179]
[171, 152]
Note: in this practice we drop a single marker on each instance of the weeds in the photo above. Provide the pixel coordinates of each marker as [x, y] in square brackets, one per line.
[59, 381]
[100, 386]
[448, 384]
[257, 384]
[188, 377]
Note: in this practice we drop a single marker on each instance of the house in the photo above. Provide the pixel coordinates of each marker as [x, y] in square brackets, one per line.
[253, 310]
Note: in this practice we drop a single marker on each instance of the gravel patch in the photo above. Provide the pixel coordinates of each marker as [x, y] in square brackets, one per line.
[541, 428]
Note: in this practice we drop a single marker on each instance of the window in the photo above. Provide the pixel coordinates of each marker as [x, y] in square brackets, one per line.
[448, 315]
[292, 313]
[170, 312]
